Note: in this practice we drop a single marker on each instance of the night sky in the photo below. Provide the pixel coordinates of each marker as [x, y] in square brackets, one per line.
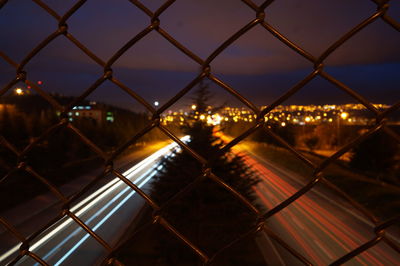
[257, 65]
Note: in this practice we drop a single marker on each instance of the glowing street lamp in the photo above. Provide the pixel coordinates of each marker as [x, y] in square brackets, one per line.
[156, 103]
[19, 91]
[343, 115]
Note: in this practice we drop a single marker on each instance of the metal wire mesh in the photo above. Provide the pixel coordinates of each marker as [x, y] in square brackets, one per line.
[317, 69]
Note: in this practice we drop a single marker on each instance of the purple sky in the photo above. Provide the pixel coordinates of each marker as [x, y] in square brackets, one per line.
[257, 65]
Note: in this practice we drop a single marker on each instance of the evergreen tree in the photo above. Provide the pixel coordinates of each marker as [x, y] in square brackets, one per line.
[208, 215]
[378, 155]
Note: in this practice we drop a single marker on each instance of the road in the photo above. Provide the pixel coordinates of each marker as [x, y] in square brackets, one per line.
[319, 225]
[107, 211]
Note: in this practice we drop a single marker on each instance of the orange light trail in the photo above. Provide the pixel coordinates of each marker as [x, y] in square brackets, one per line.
[342, 234]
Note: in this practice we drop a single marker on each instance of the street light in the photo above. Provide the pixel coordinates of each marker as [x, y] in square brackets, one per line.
[344, 115]
[156, 103]
[19, 91]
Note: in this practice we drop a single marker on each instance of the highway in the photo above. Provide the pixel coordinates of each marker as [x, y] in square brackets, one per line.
[107, 211]
[319, 225]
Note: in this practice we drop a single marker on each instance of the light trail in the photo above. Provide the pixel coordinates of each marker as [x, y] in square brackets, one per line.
[76, 246]
[275, 188]
[101, 193]
[114, 199]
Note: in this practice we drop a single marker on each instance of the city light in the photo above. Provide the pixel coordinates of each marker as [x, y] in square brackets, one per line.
[19, 91]
[156, 103]
[280, 115]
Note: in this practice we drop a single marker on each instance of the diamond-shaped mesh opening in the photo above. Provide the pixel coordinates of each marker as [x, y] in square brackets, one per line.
[150, 253]
[77, 159]
[257, 53]
[373, 51]
[63, 70]
[36, 26]
[202, 36]
[91, 33]
[19, 186]
[163, 56]
[216, 229]
[328, 25]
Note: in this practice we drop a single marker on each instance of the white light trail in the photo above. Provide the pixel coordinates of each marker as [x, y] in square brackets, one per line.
[104, 191]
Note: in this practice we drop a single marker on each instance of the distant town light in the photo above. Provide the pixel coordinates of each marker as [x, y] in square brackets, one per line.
[40, 82]
[194, 107]
[19, 91]
[202, 117]
[344, 115]
[156, 103]
[283, 124]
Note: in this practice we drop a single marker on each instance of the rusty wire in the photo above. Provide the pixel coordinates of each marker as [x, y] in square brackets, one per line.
[317, 69]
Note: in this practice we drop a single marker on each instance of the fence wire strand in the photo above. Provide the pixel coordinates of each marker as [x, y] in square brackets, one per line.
[317, 65]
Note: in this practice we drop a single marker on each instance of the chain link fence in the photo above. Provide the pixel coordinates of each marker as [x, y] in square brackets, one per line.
[317, 69]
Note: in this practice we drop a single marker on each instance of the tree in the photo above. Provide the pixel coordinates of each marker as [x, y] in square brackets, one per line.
[378, 155]
[208, 214]
[311, 142]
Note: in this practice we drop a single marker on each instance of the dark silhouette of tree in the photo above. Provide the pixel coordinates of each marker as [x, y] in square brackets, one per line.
[378, 155]
[208, 214]
[311, 142]
[202, 97]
